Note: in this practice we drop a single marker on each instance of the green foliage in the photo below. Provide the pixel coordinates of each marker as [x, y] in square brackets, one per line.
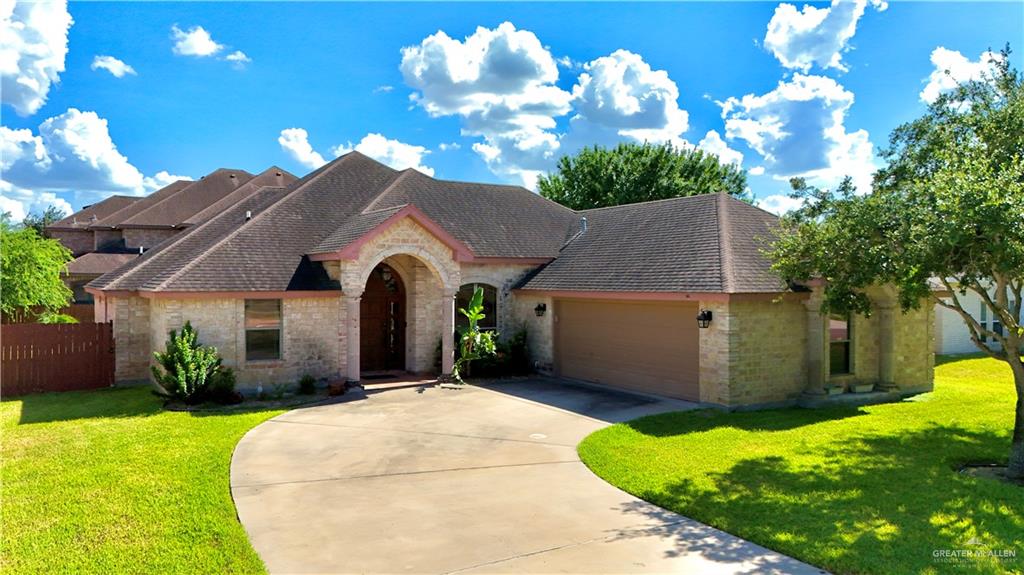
[38, 221]
[473, 343]
[597, 177]
[186, 368]
[868, 489]
[222, 387]
[512, 357]
[307, 385]
[30, 273]
[50, 317]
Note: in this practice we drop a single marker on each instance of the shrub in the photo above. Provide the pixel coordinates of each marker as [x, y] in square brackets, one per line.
[222, 387]
[512, 357]
[307, 385]
[186, 368]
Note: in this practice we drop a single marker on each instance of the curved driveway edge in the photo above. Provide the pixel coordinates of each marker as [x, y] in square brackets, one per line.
[431, 480]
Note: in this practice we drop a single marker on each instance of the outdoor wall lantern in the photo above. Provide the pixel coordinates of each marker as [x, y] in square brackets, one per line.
[704, 318]
[540, 309]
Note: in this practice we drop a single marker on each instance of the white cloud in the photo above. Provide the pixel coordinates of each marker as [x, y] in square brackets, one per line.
[798, 128]
[295, 141]
[779, 204]
[953, 68]
[20, 202]
[501, 82]
[621, 93]
[194, 42]
[756, 171]
[445, 146]
[161, 179]
[383, 89]
[238, 58]
[33, 45]
[72, 152]
[111, 64]
[713, 143]
[815, 36]
[394, 153]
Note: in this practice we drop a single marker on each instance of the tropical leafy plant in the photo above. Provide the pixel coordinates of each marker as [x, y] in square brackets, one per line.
[186, 368]
[474, 343]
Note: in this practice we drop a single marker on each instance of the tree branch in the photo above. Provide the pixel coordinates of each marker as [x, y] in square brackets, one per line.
[975, 328]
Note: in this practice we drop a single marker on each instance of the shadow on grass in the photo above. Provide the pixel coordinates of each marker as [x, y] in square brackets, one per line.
[684, 422]
[872, 504]
[102, 403]
[944, 359]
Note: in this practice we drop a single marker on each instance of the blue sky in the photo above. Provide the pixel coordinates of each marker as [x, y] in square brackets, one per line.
[487, 92]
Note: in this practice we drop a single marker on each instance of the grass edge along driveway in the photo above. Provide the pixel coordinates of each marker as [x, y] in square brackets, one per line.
[108, 482]
[852, 490]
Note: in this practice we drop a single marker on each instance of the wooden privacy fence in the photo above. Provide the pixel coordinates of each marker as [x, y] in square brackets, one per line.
[56, 357]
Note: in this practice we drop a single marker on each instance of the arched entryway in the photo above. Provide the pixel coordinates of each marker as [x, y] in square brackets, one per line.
[382, 321]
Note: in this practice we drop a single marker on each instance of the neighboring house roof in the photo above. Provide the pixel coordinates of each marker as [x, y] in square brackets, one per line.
[176, 208]
[272, 176]
[706, 243]
[113, 220]
[94, 263]
[89, 215]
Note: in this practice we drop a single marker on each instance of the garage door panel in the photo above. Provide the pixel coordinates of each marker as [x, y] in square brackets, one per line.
[649, 347]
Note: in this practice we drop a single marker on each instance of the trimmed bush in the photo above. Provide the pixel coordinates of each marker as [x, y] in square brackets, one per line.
[185, 368]
[307, 385]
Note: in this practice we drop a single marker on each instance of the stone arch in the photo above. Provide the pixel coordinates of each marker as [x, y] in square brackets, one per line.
[404, 237]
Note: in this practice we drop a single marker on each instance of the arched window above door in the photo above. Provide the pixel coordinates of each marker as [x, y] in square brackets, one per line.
[462, 298]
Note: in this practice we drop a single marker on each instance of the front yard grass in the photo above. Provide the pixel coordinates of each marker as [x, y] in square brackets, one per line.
[108, 482]
[853, 490]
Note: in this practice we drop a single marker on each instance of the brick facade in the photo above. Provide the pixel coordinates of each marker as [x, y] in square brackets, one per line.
[78, 241]
[147, 238]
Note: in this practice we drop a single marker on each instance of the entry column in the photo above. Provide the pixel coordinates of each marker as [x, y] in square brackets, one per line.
[447, 333]
[352, 300]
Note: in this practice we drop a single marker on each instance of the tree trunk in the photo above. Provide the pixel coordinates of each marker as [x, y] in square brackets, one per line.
[1015, 467]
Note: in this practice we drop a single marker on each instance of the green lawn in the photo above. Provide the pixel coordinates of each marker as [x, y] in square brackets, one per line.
[108, 482]
[853, 490]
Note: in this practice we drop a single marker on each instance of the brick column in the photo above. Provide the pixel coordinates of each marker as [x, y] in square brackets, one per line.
[886, 345]
[447, 332]
[352, 323]
[816, 346]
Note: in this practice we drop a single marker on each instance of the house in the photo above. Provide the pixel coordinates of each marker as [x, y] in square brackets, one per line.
[357, 268]
[951, 333]
[107, 235]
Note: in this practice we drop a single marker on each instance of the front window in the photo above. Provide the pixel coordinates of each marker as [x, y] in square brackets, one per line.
[262, 329]
[490, 321]
[839, 337]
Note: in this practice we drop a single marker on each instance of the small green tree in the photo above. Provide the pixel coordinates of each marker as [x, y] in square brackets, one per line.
[474, 343]
[39, 221]
[949, 208]
[31, 266]
[185, 369]
[597, 177]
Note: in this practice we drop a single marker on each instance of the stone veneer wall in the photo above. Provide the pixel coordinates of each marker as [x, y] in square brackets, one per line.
[754, 352]
[540, 331]
[131, 316]
[503, 277]
[914, 357]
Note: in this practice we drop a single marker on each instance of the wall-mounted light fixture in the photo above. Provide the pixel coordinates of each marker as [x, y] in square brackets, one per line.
[540, 309]
[704, 318]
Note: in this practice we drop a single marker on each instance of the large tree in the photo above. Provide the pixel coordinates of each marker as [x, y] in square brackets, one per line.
[597, 177]
[947, 212]
[39, 221]
[30, 275]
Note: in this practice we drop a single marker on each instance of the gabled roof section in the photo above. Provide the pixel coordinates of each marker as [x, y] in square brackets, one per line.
[701, 244]
[178, 207]
[273, 176]
[113, 220]
[346, 240]
[88, 215]
[95, 263]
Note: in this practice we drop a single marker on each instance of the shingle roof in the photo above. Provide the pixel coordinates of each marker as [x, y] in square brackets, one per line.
[698, 244]
[176, 208]
[272, 177]
[95, 263]
[83, 218]
[706, 243]
[144, 203]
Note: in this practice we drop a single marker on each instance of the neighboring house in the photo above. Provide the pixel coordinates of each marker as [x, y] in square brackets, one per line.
[951, 333]
[106, 235]
[357, 267]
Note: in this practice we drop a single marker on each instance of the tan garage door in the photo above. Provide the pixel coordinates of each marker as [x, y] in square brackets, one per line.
[643, 346]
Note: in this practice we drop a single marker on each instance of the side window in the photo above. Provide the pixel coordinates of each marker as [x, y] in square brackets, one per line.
[262, 329]
[839, 338]
[984, 321]
[490, 320]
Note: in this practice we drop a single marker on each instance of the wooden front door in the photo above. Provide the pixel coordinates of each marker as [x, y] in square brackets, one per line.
[382, 321]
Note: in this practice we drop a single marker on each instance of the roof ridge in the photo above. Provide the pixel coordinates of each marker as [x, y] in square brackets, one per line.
[648, 202]
[724, 245]
[379, 210]
[165, 246]
[401, 176]
[210, 249]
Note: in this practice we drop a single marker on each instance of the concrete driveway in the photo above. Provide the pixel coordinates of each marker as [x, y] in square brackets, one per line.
[475, 480]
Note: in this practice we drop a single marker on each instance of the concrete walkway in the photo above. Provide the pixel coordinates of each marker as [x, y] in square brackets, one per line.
[431, 480]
